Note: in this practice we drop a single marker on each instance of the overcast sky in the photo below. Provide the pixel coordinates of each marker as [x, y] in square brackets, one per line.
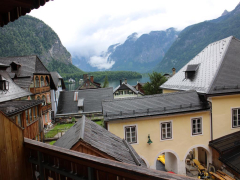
[90, 26]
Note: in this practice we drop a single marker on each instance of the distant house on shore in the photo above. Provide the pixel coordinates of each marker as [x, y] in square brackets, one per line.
[124, 90]
[87, 83]
[71, 80]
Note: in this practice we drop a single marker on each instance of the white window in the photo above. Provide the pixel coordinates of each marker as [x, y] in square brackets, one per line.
[196, 126]
[131, 134]
[236, 117]
[166, 130]
[46, 118]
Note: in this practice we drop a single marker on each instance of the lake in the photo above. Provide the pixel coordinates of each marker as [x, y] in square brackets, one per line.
[114, 83]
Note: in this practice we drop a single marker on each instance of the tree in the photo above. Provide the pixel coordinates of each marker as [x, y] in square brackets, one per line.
[152, 87]
[106, 83]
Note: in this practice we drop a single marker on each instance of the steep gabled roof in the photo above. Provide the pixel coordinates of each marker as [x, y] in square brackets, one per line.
[97, 137]
[160, 104]
[56, 77]
[217, 72]
[14, 90]
[92, 100]
[124, 86]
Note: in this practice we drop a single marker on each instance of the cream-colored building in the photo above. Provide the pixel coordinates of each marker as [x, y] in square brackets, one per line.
[215, 78]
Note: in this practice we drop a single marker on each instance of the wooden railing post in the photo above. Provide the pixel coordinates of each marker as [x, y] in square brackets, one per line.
[41, 170]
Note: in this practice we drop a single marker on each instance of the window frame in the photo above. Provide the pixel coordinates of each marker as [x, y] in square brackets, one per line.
[201, 121]
[161, 131]
[238, 120]
[136, 134]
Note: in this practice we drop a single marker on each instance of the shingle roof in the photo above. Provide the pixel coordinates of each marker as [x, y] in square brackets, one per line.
[29, 66]
[92, 100]
[159, 104]
[10, 108]
[56, 78]
[126, 86]
[229, 149]
[14, 91]
[91, 85]
[218, 70]
[99, 138]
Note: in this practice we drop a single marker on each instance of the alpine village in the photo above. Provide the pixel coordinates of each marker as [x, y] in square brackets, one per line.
[181, 123]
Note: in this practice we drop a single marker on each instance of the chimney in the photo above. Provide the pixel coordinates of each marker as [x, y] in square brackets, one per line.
[120, 82]
[125, 81]
[91, 79]
[85, 76]
[173, 71]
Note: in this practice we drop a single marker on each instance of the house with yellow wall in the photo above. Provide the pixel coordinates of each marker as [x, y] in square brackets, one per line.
[213, 78]
[176, 124]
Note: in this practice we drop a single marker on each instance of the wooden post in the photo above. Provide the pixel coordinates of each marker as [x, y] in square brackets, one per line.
[41, 170]
[90, 173]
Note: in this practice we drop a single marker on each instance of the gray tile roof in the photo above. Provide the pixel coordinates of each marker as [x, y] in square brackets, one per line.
[218, 70]
[97, 137]
[159, 104]
[56, 77]
[29, 66]
[14, 91]
[126, 86]
[92, 100]
[229, 149]
[10, 108]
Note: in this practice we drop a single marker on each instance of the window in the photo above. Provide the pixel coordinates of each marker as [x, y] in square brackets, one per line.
[26, 113]
[166, 130]
[30, 115]
[131, 134]
[46, 118]
[19, 119]
[236, 117]
[42, 82]
[196, 126]
[121, 92]
[37, 110]
[36, 82]
[34, 112]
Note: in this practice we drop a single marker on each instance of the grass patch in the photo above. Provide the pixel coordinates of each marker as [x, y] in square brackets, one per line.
[99, 122]
[52, 142]
[57, 129]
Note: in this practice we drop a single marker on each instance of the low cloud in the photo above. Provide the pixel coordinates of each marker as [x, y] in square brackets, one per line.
[101, 63]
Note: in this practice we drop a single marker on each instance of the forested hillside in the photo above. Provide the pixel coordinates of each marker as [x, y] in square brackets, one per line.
[196, 37]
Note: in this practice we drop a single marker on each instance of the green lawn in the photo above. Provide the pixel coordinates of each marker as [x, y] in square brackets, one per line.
[52, 142]
[57, 129]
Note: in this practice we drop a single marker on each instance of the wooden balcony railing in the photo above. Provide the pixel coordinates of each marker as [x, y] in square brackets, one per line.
[58, 163]
[36, 90]
[32, 129]
[46, 108]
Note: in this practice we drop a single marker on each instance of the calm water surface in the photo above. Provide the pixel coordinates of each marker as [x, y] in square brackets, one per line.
[113, 84]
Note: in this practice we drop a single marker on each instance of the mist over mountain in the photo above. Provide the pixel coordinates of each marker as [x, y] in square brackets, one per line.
[196, 37]
[139, 54]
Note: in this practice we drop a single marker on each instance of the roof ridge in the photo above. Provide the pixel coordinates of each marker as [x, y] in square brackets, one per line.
[151, 96]
[220, 65]
[81, 135]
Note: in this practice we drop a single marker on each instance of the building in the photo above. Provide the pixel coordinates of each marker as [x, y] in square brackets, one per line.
[88, 137]
[139, 87]
[124, 90]
[71, 80]
[29, 73]
[88, 83]
[79, 102]
[169, 120]
[226, 153]
[58, 85]
[26, 114]
[214, 77]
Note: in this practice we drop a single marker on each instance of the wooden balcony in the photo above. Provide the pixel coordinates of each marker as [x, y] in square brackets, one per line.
[32, 129]
[46, 108]
[58, 163]
[37, 90]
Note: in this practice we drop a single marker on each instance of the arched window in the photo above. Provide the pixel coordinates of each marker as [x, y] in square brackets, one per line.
[42, 81]
[47, 81]
[45, 100]
[36, 81]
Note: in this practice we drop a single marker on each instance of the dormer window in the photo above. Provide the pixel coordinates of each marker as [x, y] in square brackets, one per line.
[191, 71]
[4, 84]
[15, 66]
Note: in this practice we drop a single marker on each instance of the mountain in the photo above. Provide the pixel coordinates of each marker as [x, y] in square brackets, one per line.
[141, 53]
[195, 37]
[31, 36]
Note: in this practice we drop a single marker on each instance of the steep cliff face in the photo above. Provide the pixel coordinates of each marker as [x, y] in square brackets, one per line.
[141, 53]
[31, 36]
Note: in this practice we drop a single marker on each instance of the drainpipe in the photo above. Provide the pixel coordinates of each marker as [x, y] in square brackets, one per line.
[210, 103]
